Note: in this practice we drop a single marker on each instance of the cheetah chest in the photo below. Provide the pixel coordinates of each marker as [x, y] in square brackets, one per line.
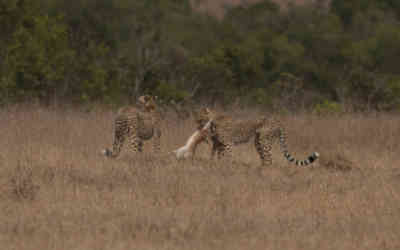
[146, 126]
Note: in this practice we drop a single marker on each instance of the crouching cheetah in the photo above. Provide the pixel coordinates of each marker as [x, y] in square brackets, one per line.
[226, 132]
[136, 125]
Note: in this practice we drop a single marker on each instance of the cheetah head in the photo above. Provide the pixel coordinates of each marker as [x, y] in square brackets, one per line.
[202, 116]
[148, 101]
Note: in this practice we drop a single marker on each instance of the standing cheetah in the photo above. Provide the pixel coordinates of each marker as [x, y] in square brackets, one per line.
[136, 125]
[226, 132]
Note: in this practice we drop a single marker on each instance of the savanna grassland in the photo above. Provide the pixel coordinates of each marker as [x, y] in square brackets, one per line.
[58, 192]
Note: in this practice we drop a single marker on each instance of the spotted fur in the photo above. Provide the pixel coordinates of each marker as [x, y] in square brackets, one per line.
[136, 125]
[225, 132]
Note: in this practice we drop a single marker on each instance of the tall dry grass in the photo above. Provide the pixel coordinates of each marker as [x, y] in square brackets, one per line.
[58, 192]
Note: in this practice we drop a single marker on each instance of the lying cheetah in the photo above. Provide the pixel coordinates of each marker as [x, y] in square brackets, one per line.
[226, 132]
[137, 125]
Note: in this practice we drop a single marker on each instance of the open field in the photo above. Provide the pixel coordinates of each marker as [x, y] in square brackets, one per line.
[58, 192]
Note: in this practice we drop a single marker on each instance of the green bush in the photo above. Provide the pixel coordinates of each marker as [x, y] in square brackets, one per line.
[65, 50]
[169, 92]
[260, 96]
[328, 108]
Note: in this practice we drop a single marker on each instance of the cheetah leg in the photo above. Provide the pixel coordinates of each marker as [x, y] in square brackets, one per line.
[135, 143]
[118, 143]
[213, 150]
[263, 150]
[225, 151]
[220, 152]
[119, 139]
[217, 147]
[157, 141]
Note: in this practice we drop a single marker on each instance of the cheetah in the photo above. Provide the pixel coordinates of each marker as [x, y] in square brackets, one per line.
[136, 125]
[225, 132]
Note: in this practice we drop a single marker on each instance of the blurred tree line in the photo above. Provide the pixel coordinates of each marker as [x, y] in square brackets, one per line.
[332, 53]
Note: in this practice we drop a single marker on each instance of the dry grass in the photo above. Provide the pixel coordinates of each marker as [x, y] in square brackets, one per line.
[58, 192]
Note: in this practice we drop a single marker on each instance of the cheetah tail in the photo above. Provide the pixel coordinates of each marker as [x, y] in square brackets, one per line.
[310, 159]
[106, 152]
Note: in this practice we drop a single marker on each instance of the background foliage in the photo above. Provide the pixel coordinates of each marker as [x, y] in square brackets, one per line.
[111, 51]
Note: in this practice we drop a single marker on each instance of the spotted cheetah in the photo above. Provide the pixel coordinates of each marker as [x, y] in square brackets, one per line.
[226, 132]
[136, 125]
